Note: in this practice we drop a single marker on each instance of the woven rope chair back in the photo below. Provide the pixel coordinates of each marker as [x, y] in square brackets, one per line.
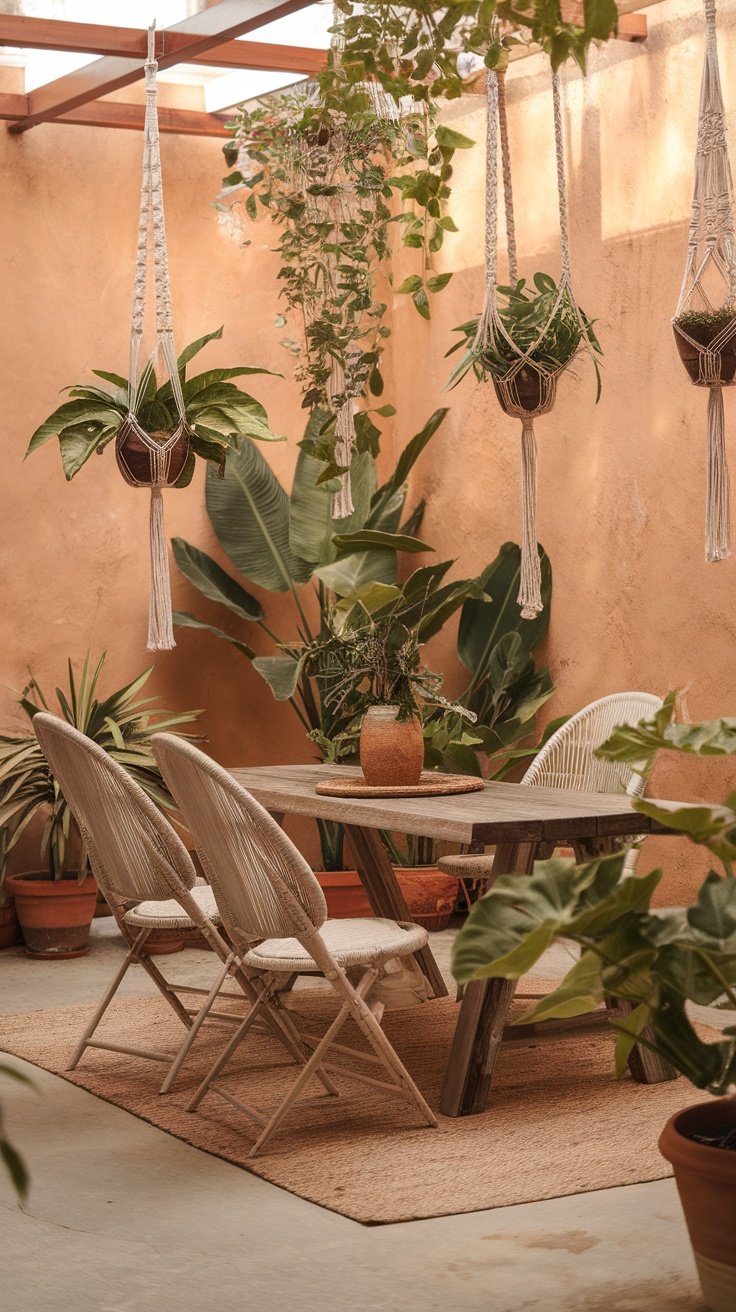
[567, 760]
[133, 850]
[263, 886]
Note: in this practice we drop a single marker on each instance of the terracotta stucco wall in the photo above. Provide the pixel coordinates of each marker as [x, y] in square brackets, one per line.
[621, 485]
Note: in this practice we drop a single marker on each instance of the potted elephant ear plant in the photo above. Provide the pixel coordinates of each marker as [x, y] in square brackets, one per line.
[658, 965]
[55, 905]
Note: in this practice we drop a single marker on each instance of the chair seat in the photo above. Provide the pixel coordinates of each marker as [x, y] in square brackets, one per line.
[351, 943]
[468, 865]
[170, 915]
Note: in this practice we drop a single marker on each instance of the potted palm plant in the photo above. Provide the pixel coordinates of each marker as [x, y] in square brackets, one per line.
[55, 906]
[657, 963]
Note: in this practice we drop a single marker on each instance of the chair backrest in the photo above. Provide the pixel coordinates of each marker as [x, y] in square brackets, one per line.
[133, 850]
[567, 760]
[263, 886]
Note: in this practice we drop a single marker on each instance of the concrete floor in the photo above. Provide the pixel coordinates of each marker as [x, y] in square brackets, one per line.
[124, 1218]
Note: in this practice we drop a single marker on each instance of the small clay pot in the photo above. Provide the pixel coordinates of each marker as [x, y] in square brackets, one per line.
[529, 392]
[137, 460]
[691, 358]
[706, 1183]
[391, 750]
[430, 895]
[55, 914]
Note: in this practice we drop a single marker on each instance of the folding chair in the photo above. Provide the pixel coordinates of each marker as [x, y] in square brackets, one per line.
[148, 880]
[274, 912]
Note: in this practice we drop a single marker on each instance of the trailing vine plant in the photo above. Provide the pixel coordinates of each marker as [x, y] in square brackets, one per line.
[327, 162]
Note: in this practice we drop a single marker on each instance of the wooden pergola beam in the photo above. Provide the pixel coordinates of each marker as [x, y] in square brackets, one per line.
[222, 21]
[131, 43]
[120, 114]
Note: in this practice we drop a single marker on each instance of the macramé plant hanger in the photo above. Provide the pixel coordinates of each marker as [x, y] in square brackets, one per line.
[156, 459]
[525, 377]
[705, 320]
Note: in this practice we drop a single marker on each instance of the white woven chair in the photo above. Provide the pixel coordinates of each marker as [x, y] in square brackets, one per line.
[274, 912]
[148, 880]
[567, 761]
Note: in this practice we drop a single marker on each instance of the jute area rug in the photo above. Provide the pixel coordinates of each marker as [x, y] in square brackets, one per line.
[558, 1121]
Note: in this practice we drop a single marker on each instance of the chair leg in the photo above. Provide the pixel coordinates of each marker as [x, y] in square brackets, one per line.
[196, 1025]
[131, 956]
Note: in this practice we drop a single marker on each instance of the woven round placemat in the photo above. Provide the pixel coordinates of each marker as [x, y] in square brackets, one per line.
[431, 784]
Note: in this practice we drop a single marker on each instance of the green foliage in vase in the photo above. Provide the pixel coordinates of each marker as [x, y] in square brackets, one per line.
[655, 961]
[412, 49]
[374, 658]
[550, 334]
[121, 723]
[704, 325]
[218, 413]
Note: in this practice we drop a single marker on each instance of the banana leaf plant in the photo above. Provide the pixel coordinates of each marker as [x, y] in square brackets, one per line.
[656, 962]
[218, 413]
[288, 543]
[121, 723]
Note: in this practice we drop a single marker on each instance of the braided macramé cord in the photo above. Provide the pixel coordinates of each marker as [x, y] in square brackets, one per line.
[711, 247]
[492, 334]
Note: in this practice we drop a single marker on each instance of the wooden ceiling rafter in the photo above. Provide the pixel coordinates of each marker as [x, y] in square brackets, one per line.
[222, 22]
[131, 43]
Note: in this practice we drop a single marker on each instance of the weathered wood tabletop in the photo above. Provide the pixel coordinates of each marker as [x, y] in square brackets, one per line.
[525, 823]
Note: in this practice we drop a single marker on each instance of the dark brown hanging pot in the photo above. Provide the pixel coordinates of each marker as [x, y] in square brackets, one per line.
[151, 459]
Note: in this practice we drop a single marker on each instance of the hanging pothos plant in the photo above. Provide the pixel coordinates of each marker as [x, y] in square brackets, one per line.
[412, 49]
[326, 162]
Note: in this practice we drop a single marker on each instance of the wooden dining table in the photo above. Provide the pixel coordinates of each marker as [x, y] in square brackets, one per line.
[524, 824]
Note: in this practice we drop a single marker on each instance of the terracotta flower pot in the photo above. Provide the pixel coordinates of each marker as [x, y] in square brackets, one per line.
[137, 460]
[706, 1183]
[9, 928]
[529, 392]
[391, 750]
[55, 914]
[430, 895]
[344, 894]
[690, 356]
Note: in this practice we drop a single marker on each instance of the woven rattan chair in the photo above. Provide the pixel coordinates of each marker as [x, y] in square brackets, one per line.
[567, 761]
[274, 912]
[148, 880]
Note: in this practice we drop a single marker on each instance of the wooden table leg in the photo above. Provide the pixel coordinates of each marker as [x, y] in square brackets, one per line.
[482, 1019]
[385, 895]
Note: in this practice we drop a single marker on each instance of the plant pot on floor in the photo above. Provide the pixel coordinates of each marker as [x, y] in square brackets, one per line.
[9, 928]
[391, 750]
[430, 895]
[54, 914]
[706, 1183]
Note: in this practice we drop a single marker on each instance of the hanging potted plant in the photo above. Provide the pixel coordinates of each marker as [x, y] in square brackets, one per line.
[655, 963]
[55, 906]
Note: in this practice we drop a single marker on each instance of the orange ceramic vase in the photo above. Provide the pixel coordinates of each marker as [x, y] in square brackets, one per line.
[391, 750]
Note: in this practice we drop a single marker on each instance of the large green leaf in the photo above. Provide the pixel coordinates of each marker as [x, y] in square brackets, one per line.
[351, 573]
[249, 510]
[73, 412]
[281, 673]
[638, 743]
[484, 623]
[194, 348]
[394, 486]
[367, 539]
[183, 620]
[214, 582]
[579, 992]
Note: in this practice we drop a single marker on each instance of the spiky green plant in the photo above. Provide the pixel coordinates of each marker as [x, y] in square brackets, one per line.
[121, 723]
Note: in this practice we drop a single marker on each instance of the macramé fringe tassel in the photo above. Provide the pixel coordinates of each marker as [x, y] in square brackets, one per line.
[717, 510]
[342, 500]
[160, 626]
[530, 589]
